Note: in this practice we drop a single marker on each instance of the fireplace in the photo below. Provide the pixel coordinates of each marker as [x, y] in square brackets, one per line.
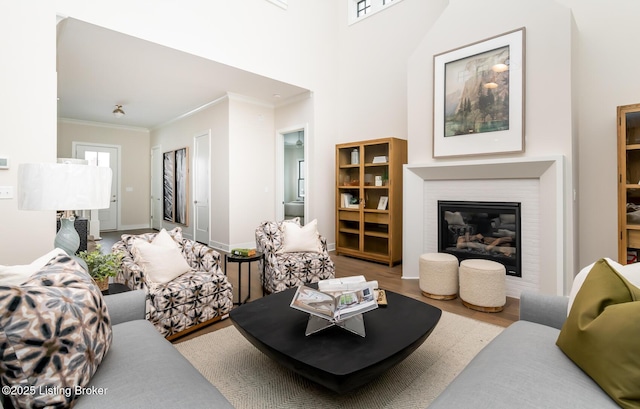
[485, 230]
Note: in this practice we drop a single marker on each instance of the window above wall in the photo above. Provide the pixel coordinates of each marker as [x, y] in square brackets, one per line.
[361, 9]
[281, 3]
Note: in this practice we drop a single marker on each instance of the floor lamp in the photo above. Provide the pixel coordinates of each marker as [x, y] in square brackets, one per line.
[64, 187]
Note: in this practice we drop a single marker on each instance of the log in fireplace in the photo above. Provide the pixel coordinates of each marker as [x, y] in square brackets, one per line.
[486, 230]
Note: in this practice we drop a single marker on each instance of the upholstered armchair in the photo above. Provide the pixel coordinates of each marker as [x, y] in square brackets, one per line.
[197, 297]
[286, 264]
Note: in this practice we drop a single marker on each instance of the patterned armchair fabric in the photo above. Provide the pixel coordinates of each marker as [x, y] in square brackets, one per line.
[195, 297]
[285, 270]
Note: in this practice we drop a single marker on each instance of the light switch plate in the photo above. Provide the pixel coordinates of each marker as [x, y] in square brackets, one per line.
[6, 192]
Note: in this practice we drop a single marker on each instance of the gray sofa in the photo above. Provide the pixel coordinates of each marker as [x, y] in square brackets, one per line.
[523, 368]
[142, 369]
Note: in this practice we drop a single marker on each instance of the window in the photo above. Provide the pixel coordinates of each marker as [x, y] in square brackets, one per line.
[301, 178]
[360, 9]
[363, 7]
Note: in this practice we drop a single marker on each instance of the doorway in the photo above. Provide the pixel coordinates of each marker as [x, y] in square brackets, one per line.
[103, 155]
[201, 186]
[156, 187]
[292, 176]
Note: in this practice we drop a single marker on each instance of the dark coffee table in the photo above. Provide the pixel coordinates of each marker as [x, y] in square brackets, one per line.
[335, 358]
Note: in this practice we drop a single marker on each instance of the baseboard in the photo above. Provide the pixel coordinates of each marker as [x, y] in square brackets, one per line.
[134, 226]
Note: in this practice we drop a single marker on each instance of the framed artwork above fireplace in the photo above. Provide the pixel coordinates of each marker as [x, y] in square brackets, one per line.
[478, 97]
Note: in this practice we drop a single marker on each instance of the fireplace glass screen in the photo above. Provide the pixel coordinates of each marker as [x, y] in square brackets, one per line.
[485, 230]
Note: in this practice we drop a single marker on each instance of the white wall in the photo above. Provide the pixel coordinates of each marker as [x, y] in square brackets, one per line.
[180, 134]
[27, 121]
[607, 77]
[319, 58]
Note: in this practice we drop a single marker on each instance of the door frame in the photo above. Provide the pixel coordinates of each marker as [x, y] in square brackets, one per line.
[118, 148]
[157, 148]
[279, 186]
[207, 134]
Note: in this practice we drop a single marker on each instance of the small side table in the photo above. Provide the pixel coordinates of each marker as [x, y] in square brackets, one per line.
[115, 288]
[232, 258]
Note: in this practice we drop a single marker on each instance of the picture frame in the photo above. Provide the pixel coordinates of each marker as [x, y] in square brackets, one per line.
[168, 185]
[383, 202]
[175, 186]
[478, 97]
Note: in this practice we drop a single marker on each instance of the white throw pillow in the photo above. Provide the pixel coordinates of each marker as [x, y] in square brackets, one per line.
[300, 239]
[631, 272]
[16, 275]
[163, 239]
[161, 263]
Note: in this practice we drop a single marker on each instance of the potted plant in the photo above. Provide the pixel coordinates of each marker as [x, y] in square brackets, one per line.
[102, 266]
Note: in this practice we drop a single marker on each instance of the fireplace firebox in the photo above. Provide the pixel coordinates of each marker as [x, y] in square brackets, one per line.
[485, 230]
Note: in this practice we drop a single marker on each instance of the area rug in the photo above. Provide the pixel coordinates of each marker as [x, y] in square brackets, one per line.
[249, 379]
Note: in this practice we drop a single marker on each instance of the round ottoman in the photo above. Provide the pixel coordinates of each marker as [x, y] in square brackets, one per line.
[483, 285]
[439, 276]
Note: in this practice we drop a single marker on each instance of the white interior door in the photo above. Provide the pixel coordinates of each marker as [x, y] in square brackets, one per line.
[103, 155]
[156, 188]
[201, 187]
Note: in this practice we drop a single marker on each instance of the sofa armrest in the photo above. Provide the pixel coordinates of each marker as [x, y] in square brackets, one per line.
[127, 306]
[550, 310]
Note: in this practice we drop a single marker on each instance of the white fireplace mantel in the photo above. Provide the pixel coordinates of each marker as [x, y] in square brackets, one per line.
[556, 239]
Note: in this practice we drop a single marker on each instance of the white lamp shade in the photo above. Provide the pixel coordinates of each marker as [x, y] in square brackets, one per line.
[54, 186]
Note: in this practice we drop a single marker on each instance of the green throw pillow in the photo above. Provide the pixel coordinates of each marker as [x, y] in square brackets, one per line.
[602, 333]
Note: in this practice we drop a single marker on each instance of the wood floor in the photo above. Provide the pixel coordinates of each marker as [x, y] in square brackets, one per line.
[389, 278]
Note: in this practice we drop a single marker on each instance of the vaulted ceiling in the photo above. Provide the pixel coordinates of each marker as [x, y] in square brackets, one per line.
[100, 68]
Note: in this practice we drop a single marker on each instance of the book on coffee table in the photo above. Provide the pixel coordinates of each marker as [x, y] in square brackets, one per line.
[334, 306]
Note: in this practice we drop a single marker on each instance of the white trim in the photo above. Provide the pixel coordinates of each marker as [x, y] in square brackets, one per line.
[255, 101]
[201, 134]
[134, 226]
[376, 7]
[280, 3]
[279, 160]
[190, 113]
[159, 150]
[549, 169]
[118, 148]
[102, 125]
[294, 99]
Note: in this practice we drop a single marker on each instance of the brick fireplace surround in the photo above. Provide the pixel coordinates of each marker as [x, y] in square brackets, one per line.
[538, 183]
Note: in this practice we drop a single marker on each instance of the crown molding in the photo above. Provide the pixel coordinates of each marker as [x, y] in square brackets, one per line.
[190, 113]
[102, 125]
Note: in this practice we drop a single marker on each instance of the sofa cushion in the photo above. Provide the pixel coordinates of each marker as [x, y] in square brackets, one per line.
[54, 332]
[303, 239]
[143, 370]
[602, 331]
[15, 275]
[522, 368]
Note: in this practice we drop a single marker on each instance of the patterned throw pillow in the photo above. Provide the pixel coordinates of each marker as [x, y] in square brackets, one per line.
[54, 332]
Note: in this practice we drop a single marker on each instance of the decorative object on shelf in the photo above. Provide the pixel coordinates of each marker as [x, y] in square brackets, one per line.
[102, 266]
[67, 187]
[175, 177]
[355, 157]
[478, 101]
[378, 181]
[382, 203]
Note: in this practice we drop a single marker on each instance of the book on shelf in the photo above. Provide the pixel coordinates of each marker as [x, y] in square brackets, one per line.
[338, 299]
[380, 159]
[348, 201]
[244, 252]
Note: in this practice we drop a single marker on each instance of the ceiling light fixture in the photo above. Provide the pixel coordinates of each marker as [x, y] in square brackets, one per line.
[118, 112]
[299, 143]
